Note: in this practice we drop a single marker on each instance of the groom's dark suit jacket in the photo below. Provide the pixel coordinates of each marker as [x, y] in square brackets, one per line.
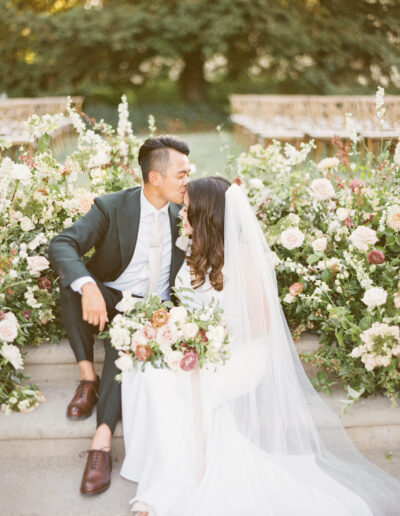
[111, 227]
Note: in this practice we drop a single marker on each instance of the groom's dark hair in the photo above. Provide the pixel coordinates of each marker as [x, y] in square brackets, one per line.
[154, 153]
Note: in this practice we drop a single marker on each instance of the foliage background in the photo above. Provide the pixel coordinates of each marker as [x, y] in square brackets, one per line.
[179, 59]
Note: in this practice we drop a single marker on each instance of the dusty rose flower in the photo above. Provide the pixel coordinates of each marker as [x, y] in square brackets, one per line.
[37, 264]
[26, 314]
[44, 283]
[295, 288]
[149, 331]
[143, 352]
[356, 185]
[159, 318]
[348, 223]
[189, 361]
[376, 257]
[203, 335]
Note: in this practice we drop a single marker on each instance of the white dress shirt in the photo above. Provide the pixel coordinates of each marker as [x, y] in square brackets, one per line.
[136, 276]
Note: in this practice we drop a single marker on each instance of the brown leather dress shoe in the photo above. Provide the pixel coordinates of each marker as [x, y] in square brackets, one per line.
[85, 398]
[96, 477]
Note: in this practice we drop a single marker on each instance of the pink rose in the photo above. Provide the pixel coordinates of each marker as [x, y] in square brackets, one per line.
[149, 331]
[8, 329]
[189, 361]
[37, 264]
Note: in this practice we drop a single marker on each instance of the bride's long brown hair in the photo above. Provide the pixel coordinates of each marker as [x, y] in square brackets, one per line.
[206, 215]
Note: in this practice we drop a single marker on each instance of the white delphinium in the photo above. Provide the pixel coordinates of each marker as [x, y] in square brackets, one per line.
[75, 118]
[124, 125]
[37, 126]
[30, 297]
[380, 106]
[357, 265]
[351, 128]
[396, 157]
[294, 156]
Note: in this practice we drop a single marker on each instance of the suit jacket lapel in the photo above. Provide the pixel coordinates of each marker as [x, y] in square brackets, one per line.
[128, 227]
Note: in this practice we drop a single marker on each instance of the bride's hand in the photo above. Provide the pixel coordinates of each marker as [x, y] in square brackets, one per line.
[94, 309]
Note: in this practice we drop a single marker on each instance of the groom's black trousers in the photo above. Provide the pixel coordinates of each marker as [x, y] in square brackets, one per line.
[81, 337]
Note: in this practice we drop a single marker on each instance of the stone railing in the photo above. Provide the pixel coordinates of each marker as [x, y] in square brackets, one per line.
[295, 118]
[14, 111]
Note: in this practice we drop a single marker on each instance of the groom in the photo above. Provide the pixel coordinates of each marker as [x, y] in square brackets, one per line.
[133, 233]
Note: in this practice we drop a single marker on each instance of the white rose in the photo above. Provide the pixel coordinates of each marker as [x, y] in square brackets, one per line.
[256, 183]
[216, 334]
[190, 330]
[393, 220]
[37, 264]
[363, 237]
[342, 213]
[120, 337]
[12, 354]
[21, 173]
[322, 189]
[26, 224]
[127, 303]
[374, 296]
[291, 238]
[173, 360]
[178, 314]
[288, 298]
[328, 163]
[319, 245]
[124, 362]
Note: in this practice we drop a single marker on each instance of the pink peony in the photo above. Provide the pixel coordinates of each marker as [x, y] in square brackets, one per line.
[26, 314]
[189, 361]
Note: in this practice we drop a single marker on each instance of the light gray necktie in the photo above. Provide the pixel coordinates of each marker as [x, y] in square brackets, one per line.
[155, 255]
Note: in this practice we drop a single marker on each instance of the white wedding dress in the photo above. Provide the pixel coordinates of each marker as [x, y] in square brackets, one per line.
[253, 437]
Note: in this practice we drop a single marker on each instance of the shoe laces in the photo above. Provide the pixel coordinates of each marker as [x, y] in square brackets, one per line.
[83, 387]
[95, 455]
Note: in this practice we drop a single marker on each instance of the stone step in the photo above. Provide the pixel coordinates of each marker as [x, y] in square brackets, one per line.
[48, 486]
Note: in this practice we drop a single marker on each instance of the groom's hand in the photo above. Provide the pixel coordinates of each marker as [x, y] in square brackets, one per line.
[94, 309]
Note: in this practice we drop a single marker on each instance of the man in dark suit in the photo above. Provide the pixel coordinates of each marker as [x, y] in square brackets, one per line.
[133, 233]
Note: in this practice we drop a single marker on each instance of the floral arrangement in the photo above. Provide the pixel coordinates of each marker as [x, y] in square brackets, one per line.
[157, 332]
[334, 231]
[39, 197]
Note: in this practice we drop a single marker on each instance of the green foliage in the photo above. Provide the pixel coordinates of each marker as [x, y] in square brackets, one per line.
[232, 45]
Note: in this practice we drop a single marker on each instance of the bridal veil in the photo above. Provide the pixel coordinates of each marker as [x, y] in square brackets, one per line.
[274, 404]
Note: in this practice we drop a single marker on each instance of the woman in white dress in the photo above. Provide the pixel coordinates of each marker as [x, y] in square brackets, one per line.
[254, 437]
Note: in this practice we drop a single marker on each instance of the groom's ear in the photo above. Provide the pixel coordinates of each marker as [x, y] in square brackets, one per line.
[154, 178]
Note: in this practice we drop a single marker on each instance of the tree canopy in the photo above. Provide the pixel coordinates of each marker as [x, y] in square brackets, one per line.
[304, 46]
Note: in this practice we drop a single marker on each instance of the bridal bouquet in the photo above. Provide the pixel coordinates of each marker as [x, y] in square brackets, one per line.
[170, 336]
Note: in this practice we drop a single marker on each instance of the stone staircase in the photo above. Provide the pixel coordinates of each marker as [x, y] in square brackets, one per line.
[41, 467]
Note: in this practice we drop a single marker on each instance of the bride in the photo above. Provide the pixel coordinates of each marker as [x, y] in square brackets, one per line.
[254, 437]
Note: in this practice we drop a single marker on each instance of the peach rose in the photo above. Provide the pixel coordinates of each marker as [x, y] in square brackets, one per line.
[85, 202]
[143, 352]
[159, 318]
[295, 288]
[393, 220]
